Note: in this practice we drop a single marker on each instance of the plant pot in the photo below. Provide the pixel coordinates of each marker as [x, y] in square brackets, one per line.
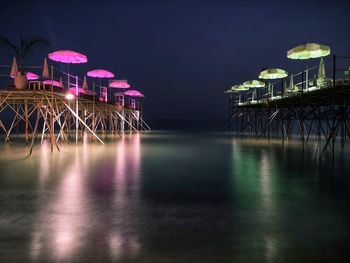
[21, 82]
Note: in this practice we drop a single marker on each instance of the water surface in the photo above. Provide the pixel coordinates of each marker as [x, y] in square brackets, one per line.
[174, 197]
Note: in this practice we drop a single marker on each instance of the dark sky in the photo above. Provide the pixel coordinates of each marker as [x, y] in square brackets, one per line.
[182, 54]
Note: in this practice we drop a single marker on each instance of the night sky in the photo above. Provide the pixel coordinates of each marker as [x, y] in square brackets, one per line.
[183, 54]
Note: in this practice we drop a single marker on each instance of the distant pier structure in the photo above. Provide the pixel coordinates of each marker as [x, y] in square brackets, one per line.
[62, 107]
[312, 104]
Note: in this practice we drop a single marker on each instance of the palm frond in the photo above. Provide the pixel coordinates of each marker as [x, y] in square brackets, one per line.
[5, 42]
[30, 43]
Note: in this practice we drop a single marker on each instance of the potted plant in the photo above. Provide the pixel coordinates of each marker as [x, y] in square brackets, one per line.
[21, 51]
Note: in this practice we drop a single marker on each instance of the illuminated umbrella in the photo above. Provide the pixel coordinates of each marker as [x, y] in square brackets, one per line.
[309, 50]
[230, 91]
[239, 88]
[254, 84]
[121, 84]
[68, 56]
[100, 74]
[52, 82]
[273, 73]
[133, 93]
[14, 68]
[45, 69]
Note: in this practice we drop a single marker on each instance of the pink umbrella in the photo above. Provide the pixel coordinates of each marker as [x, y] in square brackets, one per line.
[68, 56]
[121, 84]
[101, 74]
[53, 82]
[133, 93]
[30, 76]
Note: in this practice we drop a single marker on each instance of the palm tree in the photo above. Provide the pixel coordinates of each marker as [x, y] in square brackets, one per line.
[25, 46]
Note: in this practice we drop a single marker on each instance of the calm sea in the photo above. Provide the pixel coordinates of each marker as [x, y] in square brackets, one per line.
[174, 197]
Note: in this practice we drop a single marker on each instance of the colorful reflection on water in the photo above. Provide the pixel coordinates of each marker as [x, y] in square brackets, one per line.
[173, 197]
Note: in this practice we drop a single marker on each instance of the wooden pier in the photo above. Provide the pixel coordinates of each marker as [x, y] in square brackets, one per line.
[319, 112]
[48, 113]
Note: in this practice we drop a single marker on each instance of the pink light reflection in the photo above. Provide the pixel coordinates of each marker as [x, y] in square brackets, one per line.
[67, 233]
[126, 194]
[62, 224]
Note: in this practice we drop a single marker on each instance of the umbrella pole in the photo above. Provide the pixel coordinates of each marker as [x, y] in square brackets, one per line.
[93, 107]
[77, 110]
[68, 80]
[307, 75]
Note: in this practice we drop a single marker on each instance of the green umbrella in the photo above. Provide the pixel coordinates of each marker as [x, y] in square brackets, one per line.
[229, 91]
[273, 73]
[239, 88]
[254, 84]
[309, 50]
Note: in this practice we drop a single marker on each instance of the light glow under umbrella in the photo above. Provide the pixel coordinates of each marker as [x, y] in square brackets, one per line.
[100, 74]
